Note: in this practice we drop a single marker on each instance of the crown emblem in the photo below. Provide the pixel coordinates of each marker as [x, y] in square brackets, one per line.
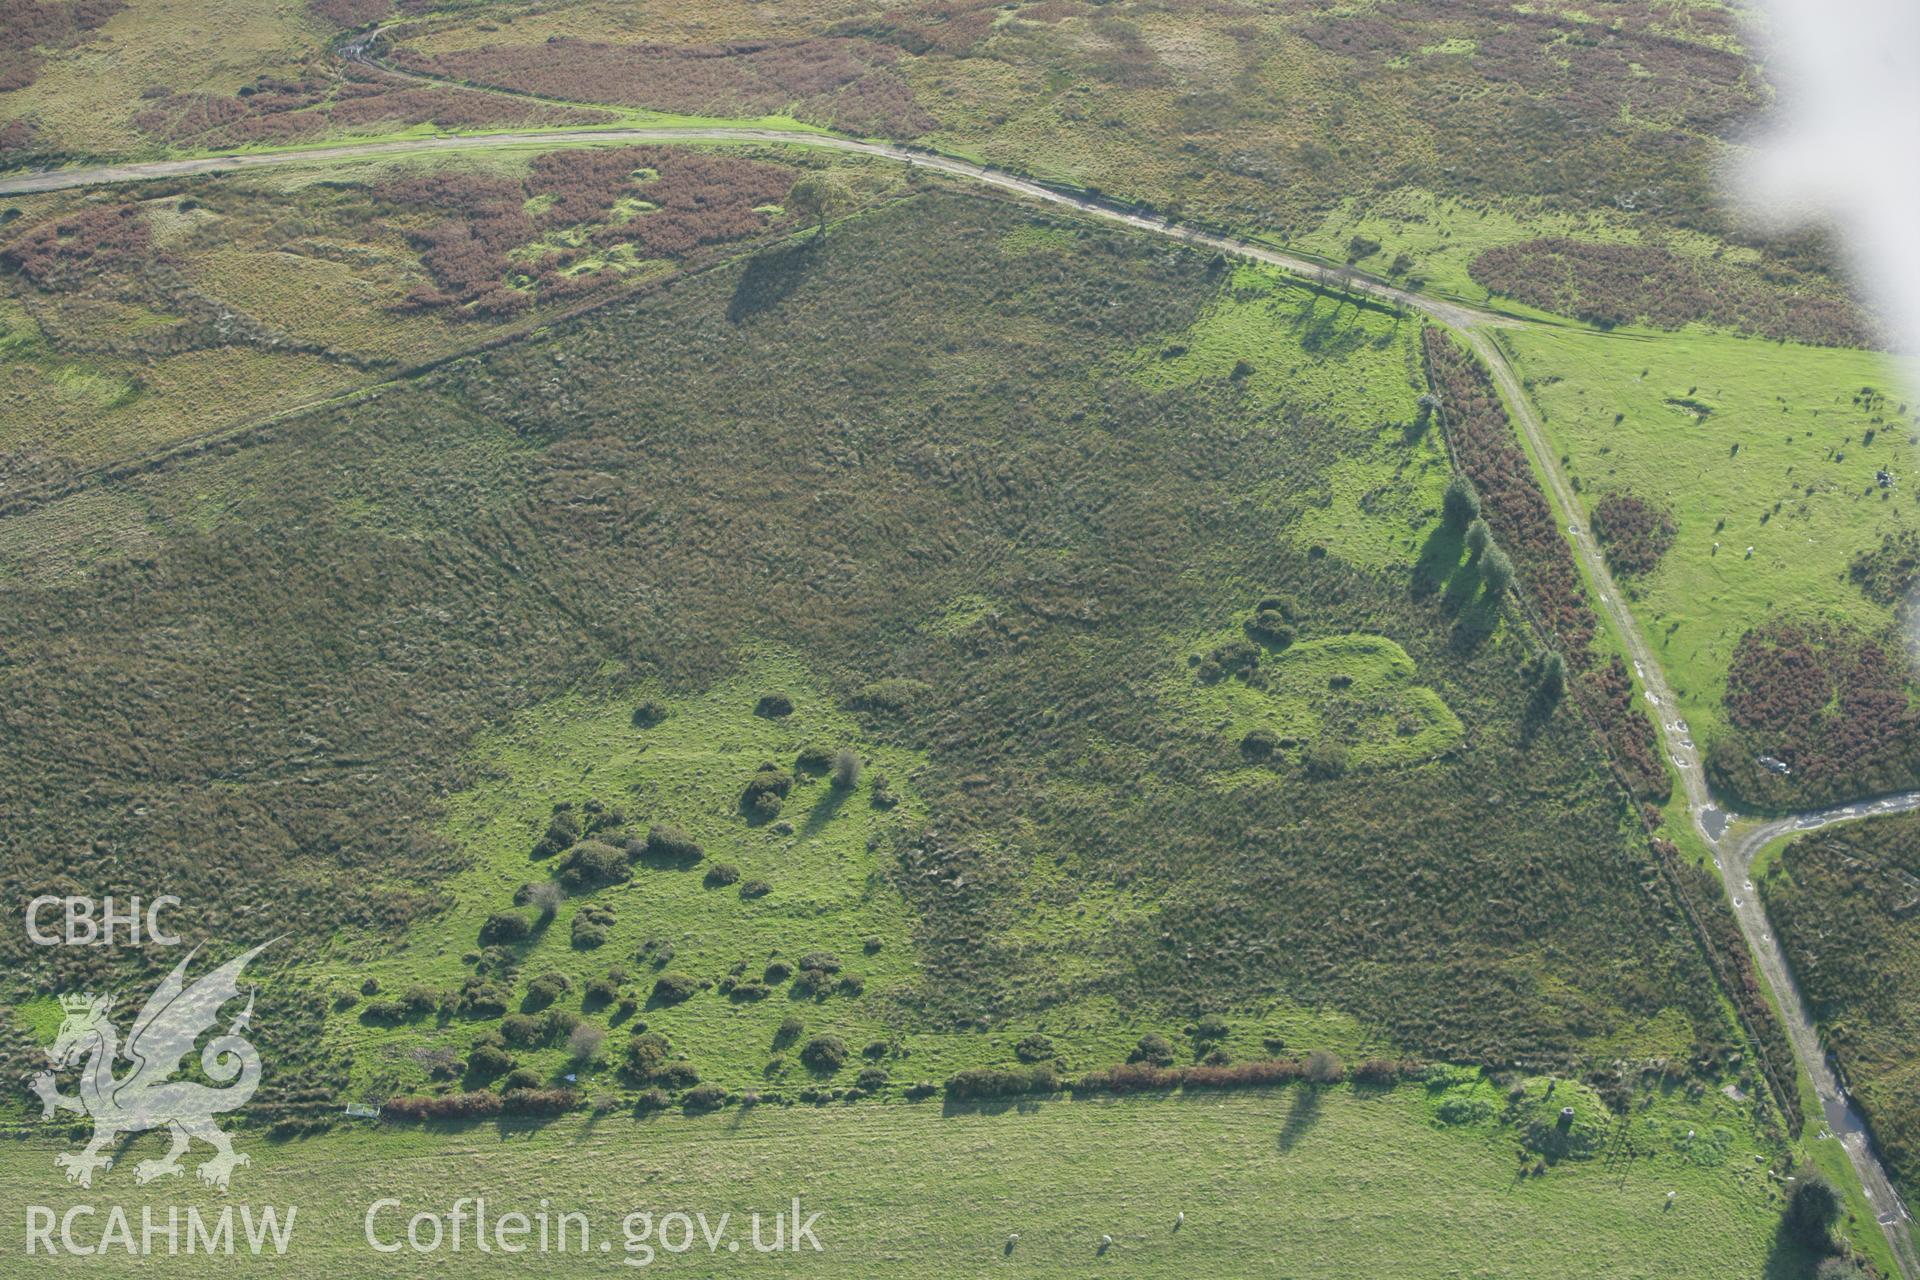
[76, 1004]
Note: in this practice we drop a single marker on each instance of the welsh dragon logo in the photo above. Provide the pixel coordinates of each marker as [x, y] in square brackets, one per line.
[145, 1097]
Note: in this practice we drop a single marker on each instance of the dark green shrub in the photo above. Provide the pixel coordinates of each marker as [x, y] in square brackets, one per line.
[825, 1054]
[1034, 1048]
[562, 830]
[706, 1097]
[825, 961]
[1210, 1027]
[480, 998]
[813, 759]
[600, 992]
[750, 990]
[721, 874]
[647, 1054]
[1327, 758]
[872, 1078]
[673, 986]
[485, 1061]
[769, 779]
[505, 927]
[388, 1012]
[523, 1078]
[650, 713]
[1270, 626]
[592, 864]
[774, 705]
[777, 971]
[668, 843]
[1479, 538]
[1259, 744]
[755, 889]
[788, 1031]
[523, 1029]
[1153, 1050]
[591, 925]
[547, 988]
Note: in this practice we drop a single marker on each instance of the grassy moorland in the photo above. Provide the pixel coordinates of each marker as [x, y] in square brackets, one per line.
[1410, 136]
[1843, 901]
[1416, 1182]
[1737, 484]
[987, 579]
[179, 310]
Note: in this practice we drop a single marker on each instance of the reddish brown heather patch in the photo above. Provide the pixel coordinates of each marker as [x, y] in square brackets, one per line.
[1634, 531]
[1609, 691]
[28, 27]
[351, 98]
[350, 13]
[1829, 701]
[700, 200]
[848, 84]
[67, 252]
[17, 142]
[1610, 284]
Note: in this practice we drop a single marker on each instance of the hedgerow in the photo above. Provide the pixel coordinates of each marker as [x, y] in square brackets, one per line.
[1522, 522]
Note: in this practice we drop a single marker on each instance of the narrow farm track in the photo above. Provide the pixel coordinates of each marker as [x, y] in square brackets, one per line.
[1734, 841]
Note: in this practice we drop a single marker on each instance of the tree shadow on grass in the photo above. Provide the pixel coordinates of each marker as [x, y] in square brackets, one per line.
[1790, 1258]
[824, 809]
[1439, 561]
[1301, 1117]
[768, 280]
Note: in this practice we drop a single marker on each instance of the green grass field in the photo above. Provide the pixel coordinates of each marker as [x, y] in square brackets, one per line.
[1750, 444]
[1303, 1183]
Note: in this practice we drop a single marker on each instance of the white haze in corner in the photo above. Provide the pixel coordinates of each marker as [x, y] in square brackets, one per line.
[1845, 148]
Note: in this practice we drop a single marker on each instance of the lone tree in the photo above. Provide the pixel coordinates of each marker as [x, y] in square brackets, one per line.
[1813, 1211]
[817, 196]
[1479, 538]
[1461, 505]
[846, 769]
[1497, 571]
